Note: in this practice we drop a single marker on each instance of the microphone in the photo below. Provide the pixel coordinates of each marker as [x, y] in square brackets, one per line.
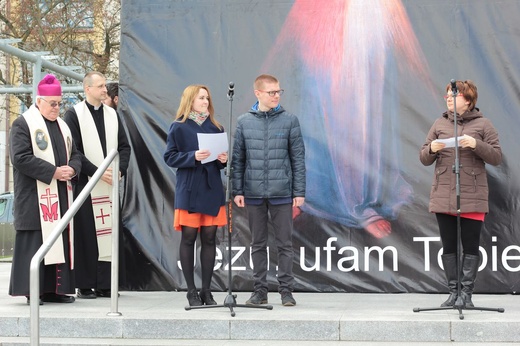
[453, 86]
[231, 90]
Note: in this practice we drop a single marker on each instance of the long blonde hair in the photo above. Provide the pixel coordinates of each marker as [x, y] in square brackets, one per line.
[185, 107]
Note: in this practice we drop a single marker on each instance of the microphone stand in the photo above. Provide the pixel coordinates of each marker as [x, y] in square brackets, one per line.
[459, 302]
[230, 300]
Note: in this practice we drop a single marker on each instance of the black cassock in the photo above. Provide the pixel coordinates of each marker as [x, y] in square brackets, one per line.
[90, 272]
[55, 278]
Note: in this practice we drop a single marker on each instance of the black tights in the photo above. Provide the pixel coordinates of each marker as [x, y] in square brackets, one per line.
[469, 233]
[207, 254]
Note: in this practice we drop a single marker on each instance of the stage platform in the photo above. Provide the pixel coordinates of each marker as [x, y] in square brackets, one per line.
[159, 318]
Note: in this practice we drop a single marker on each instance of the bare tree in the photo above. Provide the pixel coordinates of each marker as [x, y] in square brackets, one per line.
[83, 33]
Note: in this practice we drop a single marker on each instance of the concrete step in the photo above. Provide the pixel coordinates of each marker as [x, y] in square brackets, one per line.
[168, 342]
[316, 317]
[158, 318]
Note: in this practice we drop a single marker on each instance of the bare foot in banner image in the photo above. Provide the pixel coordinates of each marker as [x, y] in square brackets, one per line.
[379, 229]
[296, 211]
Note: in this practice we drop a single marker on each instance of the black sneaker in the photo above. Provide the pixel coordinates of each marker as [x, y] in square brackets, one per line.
[257, 297]
[287, 298]
[193, 298]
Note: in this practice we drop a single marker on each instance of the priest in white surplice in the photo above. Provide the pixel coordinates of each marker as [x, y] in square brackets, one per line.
[96, 130]
[44, 160]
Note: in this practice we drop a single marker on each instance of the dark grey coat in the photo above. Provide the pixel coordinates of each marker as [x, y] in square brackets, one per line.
[268, 155]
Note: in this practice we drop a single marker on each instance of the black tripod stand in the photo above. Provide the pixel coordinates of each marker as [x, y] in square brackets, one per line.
[230, 300]
[459, 302]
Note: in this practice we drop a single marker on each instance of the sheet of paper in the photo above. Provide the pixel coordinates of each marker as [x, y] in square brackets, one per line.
[216, 143]
[450, 142]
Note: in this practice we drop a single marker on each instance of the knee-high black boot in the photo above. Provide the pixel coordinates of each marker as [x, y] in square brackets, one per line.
[449, 261]
[469, 273]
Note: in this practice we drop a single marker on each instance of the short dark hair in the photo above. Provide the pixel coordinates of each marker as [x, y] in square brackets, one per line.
[113, 89]
[469, 91]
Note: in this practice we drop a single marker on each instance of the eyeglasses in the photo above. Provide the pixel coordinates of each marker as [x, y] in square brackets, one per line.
[447, 96]
[273, 92]
[102, 86]
[53, 104]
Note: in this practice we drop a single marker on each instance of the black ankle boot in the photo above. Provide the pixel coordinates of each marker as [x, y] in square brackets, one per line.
[207, 297]
[193, 298]
[452, 298]
[466, 298]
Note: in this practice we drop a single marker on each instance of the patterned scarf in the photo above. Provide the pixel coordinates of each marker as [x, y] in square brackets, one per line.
[199, 118]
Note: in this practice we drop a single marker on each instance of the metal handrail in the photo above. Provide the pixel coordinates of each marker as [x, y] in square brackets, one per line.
[34, 290]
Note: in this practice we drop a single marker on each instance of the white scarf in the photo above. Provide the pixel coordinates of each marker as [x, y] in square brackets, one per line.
[101, 195]
[48, 194]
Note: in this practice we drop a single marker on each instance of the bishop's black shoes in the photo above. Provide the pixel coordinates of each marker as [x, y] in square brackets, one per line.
[57, 298]
[29, 300]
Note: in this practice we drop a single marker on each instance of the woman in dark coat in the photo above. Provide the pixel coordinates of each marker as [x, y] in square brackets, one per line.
[478, 145]
[199, 193]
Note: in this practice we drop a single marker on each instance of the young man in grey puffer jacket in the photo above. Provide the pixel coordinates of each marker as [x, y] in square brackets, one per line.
[269, 178]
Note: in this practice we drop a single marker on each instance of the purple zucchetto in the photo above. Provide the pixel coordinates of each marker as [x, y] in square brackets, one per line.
[49, 86]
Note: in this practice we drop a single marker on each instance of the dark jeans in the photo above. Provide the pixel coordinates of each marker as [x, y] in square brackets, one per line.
[281, 217]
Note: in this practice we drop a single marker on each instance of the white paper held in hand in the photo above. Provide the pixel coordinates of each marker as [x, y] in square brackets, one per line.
[450, 142]
[216, 143]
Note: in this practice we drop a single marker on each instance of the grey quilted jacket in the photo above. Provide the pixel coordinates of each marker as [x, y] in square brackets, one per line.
[268, 155]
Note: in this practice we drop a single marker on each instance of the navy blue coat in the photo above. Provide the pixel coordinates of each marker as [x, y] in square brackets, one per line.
[199, 186]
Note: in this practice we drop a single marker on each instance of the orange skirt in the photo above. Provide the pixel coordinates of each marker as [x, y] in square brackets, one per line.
[183, 218]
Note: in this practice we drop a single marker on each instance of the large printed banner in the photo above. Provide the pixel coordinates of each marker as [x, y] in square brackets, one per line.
[366, 79]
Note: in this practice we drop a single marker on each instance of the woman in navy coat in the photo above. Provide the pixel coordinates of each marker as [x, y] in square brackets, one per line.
[199, 192]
